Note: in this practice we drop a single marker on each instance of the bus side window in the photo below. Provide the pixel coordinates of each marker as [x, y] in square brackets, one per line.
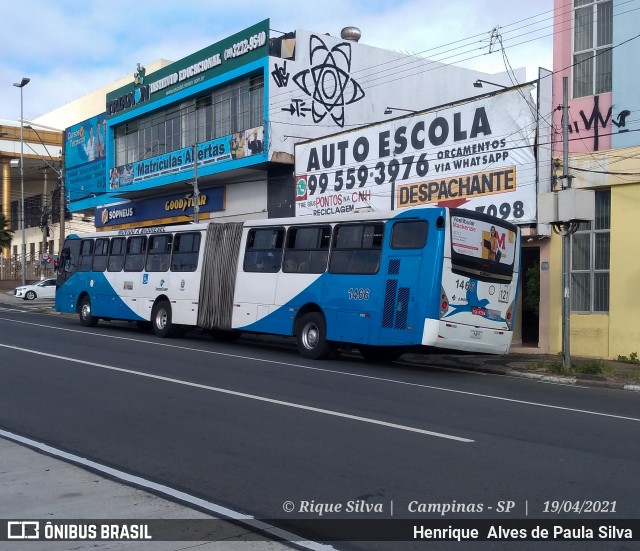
[184, 257]
[136, 249]
[159, 253]
[357, 248]
[409, 234]
[116, 254]
[307, 250]
[85, 260]
[100, 255]
[263, 252]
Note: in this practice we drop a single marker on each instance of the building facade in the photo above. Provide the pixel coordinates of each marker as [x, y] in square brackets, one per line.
[595, 47]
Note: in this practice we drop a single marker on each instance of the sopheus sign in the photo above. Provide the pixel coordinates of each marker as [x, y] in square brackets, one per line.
[477, 155]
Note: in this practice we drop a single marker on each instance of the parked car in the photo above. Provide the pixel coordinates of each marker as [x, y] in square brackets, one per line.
[43, 289]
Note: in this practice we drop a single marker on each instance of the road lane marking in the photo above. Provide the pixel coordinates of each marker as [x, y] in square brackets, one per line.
[334, 372]
[238, 394]
[129, 479]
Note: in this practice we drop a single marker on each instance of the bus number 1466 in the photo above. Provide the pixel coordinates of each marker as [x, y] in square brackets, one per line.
[358, 294]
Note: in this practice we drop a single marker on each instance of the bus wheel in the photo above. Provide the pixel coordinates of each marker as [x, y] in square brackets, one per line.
[311, 337]
[380, 354]
[161, 319]
[84, 312]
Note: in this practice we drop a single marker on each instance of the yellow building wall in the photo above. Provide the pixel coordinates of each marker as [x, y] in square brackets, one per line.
[617, 332]
[624, 295]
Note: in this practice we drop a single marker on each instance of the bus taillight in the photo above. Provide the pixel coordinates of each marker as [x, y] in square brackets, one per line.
[444, 302]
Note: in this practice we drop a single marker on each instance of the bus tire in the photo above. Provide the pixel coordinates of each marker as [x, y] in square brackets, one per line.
[380, 354]
[311, 337]
[84, 312]
[161, 319]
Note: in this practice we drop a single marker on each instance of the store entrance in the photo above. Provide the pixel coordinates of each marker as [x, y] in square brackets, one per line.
[530, 285]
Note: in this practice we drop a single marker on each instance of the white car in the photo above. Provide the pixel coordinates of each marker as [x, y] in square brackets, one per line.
[43, 289]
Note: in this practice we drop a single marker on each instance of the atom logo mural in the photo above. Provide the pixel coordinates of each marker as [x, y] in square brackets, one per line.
[328, 81]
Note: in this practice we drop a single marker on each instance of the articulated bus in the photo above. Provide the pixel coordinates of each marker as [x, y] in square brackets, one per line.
[379, 282]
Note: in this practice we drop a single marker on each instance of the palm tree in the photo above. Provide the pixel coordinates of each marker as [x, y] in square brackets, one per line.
[6, 235]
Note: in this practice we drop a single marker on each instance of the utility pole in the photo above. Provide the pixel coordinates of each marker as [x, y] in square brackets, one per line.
[566, 234]
[63, 210]
[44, 217]
[196, 191]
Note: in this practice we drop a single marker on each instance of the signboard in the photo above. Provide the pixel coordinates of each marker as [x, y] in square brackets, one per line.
[84, 158]
[160, 210]
[228, 148]
[478, 155]
[221, 57]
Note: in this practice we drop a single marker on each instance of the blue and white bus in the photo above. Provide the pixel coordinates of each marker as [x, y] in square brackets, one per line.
[379, 282]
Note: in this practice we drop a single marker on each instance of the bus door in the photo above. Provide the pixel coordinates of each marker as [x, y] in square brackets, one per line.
[400, 309]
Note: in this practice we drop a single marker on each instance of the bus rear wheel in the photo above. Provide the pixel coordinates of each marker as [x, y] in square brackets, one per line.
[311, 337]
[380, 354]
[84, 312]
[161, 319]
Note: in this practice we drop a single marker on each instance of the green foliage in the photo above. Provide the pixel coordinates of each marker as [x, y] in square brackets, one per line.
[6, 235]
[632, 359]
[532, 293]
[582, 367]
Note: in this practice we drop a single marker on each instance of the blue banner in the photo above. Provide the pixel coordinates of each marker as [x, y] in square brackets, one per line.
[84, 159]
[161, 210]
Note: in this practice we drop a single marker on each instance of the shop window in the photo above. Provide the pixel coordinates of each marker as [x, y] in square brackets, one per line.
[590, 259]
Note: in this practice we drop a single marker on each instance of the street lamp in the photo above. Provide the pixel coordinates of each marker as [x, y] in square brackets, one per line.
[478, 84]
[21, 85]
[390, 110]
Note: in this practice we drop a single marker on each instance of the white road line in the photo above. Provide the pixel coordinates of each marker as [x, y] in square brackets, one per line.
[127, 478]
[334, 372]
[244, 395]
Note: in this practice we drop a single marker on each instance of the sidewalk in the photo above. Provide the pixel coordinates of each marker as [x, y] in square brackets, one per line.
[35, 486]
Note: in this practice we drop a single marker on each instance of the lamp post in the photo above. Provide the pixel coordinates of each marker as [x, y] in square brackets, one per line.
[21, 85]
[478, 84]
[390, 110]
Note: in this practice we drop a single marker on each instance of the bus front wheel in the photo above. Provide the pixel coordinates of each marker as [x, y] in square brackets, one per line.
[311, 337]
[86, 318]
[161, 319]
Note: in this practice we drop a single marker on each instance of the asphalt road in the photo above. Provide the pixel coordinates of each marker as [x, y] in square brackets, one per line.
[260, 430]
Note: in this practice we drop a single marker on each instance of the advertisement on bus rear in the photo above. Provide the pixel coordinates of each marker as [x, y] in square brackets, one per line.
[482, 240]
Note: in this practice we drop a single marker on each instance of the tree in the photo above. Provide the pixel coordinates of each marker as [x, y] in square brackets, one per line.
[6, 235]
